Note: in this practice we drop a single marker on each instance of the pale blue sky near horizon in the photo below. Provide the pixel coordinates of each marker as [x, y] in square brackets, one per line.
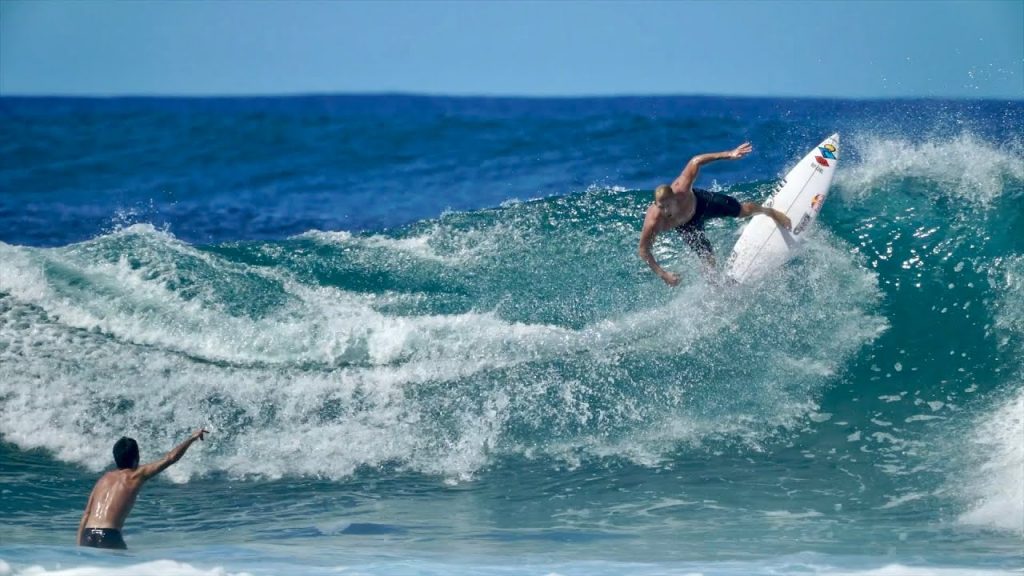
[855, 49]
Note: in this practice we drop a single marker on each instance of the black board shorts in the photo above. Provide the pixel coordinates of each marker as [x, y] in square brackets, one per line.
[709, 205]
[103, 538]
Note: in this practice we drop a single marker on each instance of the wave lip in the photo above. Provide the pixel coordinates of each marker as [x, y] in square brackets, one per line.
[168, 302]
[964, 168]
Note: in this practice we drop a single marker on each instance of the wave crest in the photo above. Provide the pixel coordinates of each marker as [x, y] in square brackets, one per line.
[965, 168]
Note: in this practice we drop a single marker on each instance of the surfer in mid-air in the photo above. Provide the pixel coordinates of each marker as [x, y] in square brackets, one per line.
[685, 208]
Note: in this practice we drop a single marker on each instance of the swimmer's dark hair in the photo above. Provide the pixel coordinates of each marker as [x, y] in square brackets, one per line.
[126, 453]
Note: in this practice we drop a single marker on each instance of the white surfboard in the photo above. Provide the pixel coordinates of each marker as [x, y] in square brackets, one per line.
[764, 246]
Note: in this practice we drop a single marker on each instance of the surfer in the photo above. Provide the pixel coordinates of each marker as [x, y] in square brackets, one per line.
[114, 494]
[685, 208]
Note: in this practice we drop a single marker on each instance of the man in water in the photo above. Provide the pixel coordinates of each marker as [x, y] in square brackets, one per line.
[114, 494]
[685, 208]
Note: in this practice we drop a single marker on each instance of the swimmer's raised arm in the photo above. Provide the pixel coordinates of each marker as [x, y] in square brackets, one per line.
[147, 471]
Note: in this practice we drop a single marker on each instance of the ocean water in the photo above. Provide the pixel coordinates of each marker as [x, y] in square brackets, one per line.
[420, 334]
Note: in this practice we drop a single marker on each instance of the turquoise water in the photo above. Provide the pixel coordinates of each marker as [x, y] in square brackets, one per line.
[422, 339]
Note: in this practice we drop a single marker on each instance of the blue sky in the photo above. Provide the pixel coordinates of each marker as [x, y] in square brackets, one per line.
[836, 49]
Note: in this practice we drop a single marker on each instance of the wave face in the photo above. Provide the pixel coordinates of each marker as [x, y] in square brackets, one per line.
[407, 308]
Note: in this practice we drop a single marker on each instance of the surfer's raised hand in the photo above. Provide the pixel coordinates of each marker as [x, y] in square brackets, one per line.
[741, 151]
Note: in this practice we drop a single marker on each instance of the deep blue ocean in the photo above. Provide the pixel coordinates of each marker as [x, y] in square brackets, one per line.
[421, 336]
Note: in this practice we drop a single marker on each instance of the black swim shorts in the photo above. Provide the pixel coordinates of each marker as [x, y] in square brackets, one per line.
[103, 538]
[709, 205]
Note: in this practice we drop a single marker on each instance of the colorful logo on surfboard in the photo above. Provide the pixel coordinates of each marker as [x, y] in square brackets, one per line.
[816, 201]
[803, 223]
[828, 151]
[821, 161]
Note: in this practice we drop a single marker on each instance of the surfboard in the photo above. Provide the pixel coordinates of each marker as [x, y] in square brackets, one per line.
[763, 246]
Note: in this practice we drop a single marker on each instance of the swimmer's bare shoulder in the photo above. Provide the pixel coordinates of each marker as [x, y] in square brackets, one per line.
[114, 494]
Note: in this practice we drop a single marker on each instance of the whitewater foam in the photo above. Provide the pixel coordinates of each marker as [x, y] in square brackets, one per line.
[965, 167]
[1006, 277]
[993, 484]
[153, 568]
[532, 567]
[138, 333]
[144, 304]
[417, 246]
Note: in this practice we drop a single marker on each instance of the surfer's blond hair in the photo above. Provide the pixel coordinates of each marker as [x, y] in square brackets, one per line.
[662, 193]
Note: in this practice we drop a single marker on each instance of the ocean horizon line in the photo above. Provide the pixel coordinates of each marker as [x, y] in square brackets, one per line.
[486, 96]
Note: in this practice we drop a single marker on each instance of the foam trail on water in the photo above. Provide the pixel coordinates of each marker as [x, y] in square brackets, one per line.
[433, 242]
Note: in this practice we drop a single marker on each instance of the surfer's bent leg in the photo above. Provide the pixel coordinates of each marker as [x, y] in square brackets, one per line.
[724, 206]
[699, 243]
[697, 240]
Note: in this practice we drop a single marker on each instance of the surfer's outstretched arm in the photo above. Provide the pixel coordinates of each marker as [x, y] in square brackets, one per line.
[689, 174]
[748, 209]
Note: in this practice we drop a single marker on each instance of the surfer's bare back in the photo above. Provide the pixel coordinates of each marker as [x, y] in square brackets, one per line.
[685, 208]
